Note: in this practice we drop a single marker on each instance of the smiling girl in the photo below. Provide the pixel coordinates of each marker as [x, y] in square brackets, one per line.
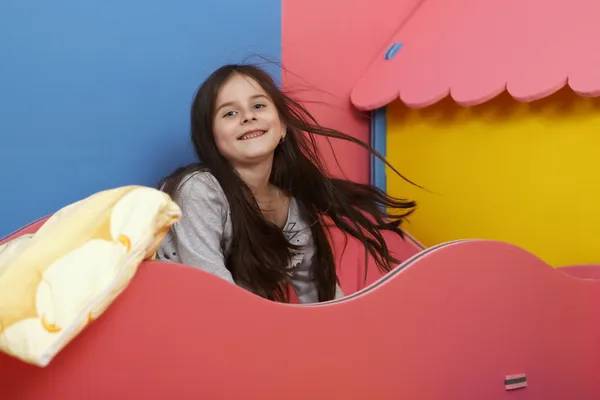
[255, 208]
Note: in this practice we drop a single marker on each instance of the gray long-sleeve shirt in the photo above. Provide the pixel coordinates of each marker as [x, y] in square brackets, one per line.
[202, 237]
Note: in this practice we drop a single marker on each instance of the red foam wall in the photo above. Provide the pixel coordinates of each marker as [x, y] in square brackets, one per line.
[450, 324]
[326, 47]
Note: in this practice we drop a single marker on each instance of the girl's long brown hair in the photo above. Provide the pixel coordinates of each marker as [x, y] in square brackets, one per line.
[260, 253]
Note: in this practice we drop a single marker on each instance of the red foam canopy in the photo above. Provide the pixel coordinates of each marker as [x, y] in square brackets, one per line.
[473, 50]
[451, 323]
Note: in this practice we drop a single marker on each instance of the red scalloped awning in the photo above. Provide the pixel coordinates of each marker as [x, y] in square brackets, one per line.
[473, 50]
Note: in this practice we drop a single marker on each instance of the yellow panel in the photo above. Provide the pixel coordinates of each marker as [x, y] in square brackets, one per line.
[528, 174]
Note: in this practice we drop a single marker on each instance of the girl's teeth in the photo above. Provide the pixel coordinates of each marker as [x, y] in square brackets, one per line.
[252, 135]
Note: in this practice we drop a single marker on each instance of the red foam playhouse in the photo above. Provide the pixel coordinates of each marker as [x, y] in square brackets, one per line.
[463, 320]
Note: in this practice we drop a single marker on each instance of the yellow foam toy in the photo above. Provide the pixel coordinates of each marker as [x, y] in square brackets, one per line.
[54, 283]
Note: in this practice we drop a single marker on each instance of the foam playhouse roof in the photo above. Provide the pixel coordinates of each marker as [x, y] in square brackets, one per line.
[473, 50]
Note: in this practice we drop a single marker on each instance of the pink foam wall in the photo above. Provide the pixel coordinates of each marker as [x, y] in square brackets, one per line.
[350, 259]
[326, 46]
[590, 271]
[450, 324]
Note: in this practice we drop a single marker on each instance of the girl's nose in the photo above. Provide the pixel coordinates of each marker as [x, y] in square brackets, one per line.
[248, 117]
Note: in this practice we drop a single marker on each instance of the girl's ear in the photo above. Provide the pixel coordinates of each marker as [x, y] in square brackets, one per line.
[283, 133]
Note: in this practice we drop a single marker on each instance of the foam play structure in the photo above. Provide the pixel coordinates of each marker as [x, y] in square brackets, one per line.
[466, 319]
[489, 318]
[480, 108]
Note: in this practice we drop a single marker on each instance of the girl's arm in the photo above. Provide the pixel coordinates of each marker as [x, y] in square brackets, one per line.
[198, 235]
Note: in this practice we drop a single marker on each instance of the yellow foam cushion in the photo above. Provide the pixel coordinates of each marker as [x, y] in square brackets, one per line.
[54, 283]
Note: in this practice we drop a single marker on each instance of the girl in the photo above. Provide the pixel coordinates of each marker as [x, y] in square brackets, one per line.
[255, 207]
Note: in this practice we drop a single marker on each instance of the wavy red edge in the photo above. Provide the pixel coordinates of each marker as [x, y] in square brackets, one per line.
[529, 49]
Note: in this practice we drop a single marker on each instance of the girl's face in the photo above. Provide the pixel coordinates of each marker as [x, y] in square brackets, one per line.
[246, 124]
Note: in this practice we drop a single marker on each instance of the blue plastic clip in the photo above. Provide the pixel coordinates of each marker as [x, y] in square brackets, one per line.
[392, 50]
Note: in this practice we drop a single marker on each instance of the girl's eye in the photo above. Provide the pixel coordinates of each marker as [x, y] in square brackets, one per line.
[258, 106]
[229, 114]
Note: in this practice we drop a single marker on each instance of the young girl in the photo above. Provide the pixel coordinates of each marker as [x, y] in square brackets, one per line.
[255, 208]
